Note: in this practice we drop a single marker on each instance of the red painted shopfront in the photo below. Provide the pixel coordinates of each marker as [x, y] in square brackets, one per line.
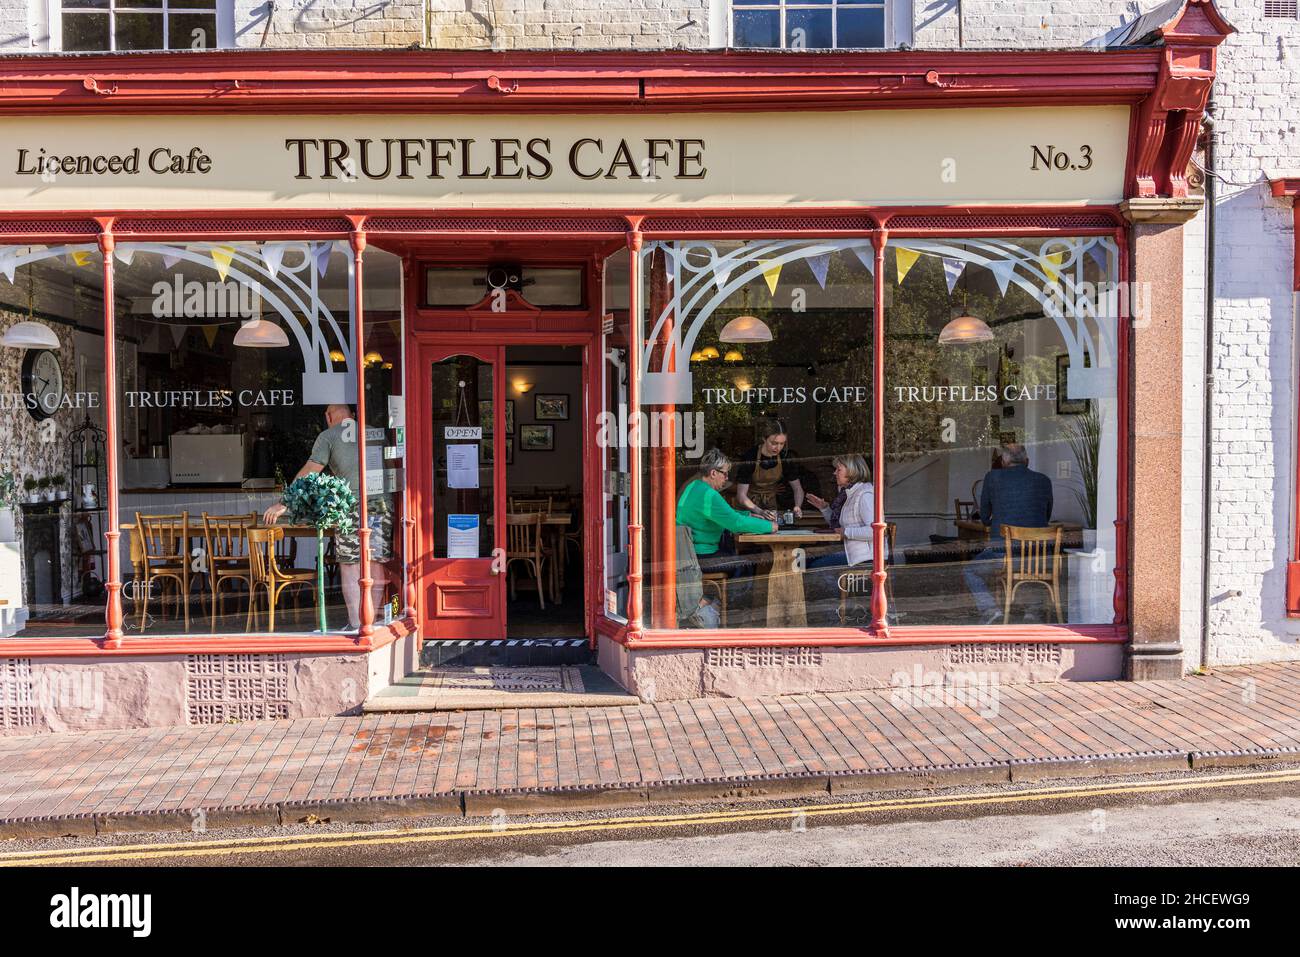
[640, 175]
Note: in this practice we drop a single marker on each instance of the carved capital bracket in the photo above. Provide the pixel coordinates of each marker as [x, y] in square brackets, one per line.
[1169, 120]
[1285, 187]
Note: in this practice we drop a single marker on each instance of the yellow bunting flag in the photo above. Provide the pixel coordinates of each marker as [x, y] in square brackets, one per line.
[81, 257]
[906, 259]
[221, 257]
[1052, 265]
[772, 273]
[210, 333]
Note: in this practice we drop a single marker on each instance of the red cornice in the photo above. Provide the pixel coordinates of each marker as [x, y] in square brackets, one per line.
[442, 81]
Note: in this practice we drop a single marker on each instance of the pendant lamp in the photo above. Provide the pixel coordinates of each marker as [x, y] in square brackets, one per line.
[30, 334]
[746, 328]
[261, 334]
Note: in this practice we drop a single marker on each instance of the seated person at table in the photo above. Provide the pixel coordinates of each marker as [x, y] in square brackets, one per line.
[767, 475]
[703, 510]
[852, 512]
[336, 449]
[1012, 495]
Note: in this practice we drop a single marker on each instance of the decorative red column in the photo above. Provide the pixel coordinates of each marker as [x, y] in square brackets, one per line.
[663, 458]
[634, 242]
[367, 606]
[410, 370]
[113, 566]
[1123, 330]
[879, 604]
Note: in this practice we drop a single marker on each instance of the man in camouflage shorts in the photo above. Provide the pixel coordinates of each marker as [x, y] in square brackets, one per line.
[336, 449]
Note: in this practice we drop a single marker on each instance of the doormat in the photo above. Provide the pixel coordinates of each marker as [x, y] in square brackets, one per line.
[545, 680]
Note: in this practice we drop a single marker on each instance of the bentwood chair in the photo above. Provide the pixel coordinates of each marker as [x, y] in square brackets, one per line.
[226, 539]
[164, 556]
[1033, 557]
[524, 545]
[268, 578]
[965, 510]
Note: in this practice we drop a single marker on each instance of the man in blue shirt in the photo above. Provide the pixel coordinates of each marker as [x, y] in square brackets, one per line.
[1012, 495]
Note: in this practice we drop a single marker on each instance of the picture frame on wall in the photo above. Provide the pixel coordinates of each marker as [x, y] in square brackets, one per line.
[510, 450]
[551, 407]
[536, 438]
[486, 421]
[1065, 406]
[510, 416]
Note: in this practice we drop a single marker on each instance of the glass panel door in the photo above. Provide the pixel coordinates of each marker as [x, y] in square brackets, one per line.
[463, 587]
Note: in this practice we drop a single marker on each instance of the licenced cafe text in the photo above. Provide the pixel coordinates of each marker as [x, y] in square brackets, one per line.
[160, 160]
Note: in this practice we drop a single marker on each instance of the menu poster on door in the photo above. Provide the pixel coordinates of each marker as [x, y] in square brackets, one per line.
[462, 536]
[462, 466]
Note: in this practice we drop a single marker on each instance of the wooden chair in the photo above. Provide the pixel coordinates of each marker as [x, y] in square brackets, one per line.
[718, 582]
[1033, 556]
[965, 510]
[225, 537]
[530, 504]
[266, 574]
[524, 544]
[164, 542]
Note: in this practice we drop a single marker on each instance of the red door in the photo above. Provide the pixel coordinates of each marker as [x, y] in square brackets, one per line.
[461, 491]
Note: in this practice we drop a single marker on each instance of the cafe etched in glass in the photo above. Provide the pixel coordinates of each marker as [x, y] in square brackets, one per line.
[738, 383]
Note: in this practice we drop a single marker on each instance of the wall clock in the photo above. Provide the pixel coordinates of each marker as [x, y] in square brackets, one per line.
[42, 383]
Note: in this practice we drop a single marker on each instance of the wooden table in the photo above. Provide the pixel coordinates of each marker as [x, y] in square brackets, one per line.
[973, 529]
[785, 595]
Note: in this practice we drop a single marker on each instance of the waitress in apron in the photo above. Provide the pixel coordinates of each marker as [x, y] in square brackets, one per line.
[766, 477]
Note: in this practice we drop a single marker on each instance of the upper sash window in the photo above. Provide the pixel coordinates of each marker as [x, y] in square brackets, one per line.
[86, 26]
[810, 24]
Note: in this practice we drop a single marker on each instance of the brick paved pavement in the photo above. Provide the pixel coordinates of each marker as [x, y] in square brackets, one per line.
[842, 737]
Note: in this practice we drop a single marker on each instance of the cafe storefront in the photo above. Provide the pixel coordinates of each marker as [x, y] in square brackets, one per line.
[215, 270]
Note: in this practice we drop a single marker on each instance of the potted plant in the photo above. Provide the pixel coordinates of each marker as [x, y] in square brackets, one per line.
[1083, 432]
[32, 487]
[9, 497]
[47, 489]
[59, 481]
[323, 502]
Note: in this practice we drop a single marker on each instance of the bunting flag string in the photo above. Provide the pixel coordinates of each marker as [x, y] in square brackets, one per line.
[221, 258]
[273, 257]
[1003, 270]
[820, 266]
[8, 262]
[952, 270]
[210, 334]
[867, 256]
[771, 273]
[905, 259]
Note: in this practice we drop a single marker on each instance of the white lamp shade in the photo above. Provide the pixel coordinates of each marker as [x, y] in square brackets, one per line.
[965, 329]
[746, 329]
[261, 334]
[30, 335]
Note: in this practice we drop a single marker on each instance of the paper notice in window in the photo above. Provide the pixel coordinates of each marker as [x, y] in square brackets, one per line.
[462, 466]
[462, 536]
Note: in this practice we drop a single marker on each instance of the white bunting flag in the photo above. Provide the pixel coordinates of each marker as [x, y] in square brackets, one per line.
[8, 262]
[170, 259]
[1003, 270]
[820, 266]
[952, 270]
[867, 255]
[321, 257]
[1097, 253]
[721, 273]
[124, 254]
[273, 256]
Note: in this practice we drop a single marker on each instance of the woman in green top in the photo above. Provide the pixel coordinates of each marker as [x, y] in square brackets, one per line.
[702, 509]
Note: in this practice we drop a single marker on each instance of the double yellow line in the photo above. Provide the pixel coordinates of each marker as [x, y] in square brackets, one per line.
[529, 828]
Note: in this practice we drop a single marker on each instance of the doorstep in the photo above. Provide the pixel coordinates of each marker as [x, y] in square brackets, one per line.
[489, 687]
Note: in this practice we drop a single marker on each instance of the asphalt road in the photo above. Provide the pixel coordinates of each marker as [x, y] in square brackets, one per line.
[1245, 818]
